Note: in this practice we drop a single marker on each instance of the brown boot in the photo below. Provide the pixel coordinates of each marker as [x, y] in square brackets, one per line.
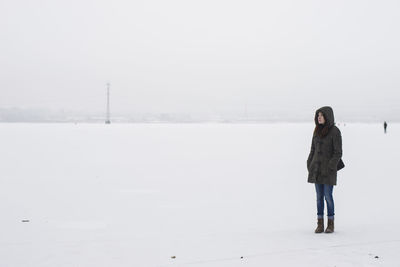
[320, 227]
[330, 228]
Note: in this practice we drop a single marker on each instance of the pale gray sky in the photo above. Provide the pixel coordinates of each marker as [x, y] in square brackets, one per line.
[173, 56]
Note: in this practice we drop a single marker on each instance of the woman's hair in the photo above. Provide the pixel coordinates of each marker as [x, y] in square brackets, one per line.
[321, 130]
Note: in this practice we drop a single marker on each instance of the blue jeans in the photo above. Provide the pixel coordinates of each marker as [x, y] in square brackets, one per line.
[324, 190]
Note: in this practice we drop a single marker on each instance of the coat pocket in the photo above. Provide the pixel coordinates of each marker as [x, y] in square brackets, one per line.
[313, 169]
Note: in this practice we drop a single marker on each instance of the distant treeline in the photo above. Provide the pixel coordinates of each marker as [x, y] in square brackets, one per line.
[46, 115]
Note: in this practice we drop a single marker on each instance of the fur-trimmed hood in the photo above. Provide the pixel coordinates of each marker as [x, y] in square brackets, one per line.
[328, 115]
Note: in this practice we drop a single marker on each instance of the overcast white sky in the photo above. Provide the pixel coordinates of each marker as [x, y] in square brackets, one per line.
[173, 56]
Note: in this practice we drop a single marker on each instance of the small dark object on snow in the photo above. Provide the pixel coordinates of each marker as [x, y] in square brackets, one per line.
[173, 257]
[25, 220]
[241, 257]
[376, 257]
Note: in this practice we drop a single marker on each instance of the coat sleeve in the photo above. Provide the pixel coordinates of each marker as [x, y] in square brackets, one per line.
[337, 150]
[310, 156]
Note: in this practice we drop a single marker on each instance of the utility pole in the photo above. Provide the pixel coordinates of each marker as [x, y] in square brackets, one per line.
[108, 104]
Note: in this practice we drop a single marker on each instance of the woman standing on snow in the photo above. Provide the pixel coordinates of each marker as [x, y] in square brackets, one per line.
[322, 164]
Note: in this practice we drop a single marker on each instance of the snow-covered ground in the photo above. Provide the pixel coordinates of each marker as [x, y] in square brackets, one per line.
[209, 194]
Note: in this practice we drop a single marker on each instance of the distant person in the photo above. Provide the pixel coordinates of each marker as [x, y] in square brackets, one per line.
[323, 162]
[384, 126]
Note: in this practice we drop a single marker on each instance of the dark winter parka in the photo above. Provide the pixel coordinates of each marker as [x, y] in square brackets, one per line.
[325, 152]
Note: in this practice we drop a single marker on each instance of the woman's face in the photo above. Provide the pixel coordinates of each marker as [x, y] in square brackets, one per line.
[321, 119]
